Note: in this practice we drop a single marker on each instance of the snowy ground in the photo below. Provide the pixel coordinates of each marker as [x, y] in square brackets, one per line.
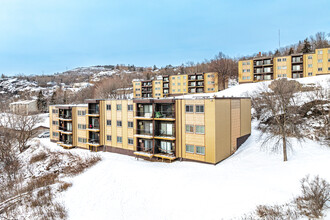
[120, 187]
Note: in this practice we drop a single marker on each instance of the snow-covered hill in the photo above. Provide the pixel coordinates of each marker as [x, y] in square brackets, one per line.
[121, 187]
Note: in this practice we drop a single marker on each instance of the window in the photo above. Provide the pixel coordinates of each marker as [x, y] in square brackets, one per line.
[328, 51]
[199, 108]
[279, 60]
[130, 124]
[189, 128]
[119, 139]
[82, 126]
[108, 107]
[178, 77]
[328, 60]
[81, 113]
[55, 122]
[320, 52]
[55, 134]
[189, 109]
[200, 150]
[319, 69]
[310, 74]
[184, 77]
[247, 63]
[319, 60]
[179, 84]
[109, 138]
[119, 124]
[284, 59]
[119, 107]
[267, 70]
[173, 84]
[310, 65]
[173, 77]
[173, 90]
[82, 140]
[328, 68]
[190, 148]
[179, 90]
[310, 57]
[108, 122]
[130, 141]
[130, 107]
[200, 129]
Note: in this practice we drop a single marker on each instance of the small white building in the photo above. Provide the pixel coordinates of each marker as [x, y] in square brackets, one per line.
[24, 107]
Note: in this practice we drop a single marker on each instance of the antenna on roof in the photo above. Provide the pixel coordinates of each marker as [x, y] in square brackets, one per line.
[279, 38]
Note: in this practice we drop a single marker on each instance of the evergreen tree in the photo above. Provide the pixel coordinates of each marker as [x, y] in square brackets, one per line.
[277, 53]
[65, 98]
[307, 48]
[53, 98]
[291, 51]
[41, 102]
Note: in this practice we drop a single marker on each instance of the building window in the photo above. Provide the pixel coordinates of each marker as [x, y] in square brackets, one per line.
[179, 90]
[310, 65]
[279, 60]
[310, 57]
[248, 63]
[189, 109]
[320, 52]
[55, 134]
[55, 122]
[200, 150]
[108, 107]
[328, 68]
[119, 139]
[190, 148]
[284, 59]
[81, 113]
[310, 74]
[173, 90]
[119, 124]
[82, 126]
[212, 89]
[179, 84]
[130, 141]
[328, 60]
[109, 138]
[130, 124]
[320, 61]
[173, 84]
[108, 122]
[119, 107]
[189, 128]
[199, 108]
[200, 129]
[82, 140]
[130, 107]
[319, 69]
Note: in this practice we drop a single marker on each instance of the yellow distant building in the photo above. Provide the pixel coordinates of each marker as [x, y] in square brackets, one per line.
[205, 129]
[174, 85]
[292, 66]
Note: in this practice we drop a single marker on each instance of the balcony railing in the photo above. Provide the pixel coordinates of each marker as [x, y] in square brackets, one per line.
[165, 85]
[93, 111]
[65, 116]
[90, 126]
[93, 141]
[164, 133]
[144, 114]
[165, 80]
[65, 129]
[66, 142]
[164, 114]
[144, 132]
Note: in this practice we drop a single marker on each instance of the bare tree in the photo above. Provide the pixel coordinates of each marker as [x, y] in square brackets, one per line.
[23, 126]
[226, 68]
[279, 115]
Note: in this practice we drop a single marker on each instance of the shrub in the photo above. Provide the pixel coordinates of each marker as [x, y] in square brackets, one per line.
[315, 197]
[39, 157]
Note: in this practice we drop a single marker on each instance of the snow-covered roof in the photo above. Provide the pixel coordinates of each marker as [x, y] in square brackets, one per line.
[24, 102]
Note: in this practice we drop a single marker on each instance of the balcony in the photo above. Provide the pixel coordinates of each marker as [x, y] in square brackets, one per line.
[200, 84]
[65, 117]
[159, 115]
[192, 78]
[144, 133]
[65, 130]
[192, 84]
[165, 85]
[93, 111]
[165, 79]
[94, 141]
[95, 128]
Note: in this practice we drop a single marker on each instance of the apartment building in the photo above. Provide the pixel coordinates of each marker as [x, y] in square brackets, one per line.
[292, 66]
[24, 107]
[205, 129]
[166, 86]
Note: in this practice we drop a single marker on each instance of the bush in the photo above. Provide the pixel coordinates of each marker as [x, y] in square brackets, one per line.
[315, 197]
[39, 157]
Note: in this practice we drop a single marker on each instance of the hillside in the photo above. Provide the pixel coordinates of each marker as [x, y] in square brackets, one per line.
[121, 187]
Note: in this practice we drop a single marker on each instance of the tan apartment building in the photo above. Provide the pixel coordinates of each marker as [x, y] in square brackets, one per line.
[205, 129]
[174, 85]
[292, 66]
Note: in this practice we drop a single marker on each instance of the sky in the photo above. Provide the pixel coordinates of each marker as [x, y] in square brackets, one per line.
[44, 37]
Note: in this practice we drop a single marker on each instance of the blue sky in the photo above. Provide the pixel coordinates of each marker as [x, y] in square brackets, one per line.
[47, 36]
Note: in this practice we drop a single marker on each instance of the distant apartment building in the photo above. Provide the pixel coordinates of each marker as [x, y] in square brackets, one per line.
[204, 129]
[291, 66]
[174, 85]
[24, 107]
